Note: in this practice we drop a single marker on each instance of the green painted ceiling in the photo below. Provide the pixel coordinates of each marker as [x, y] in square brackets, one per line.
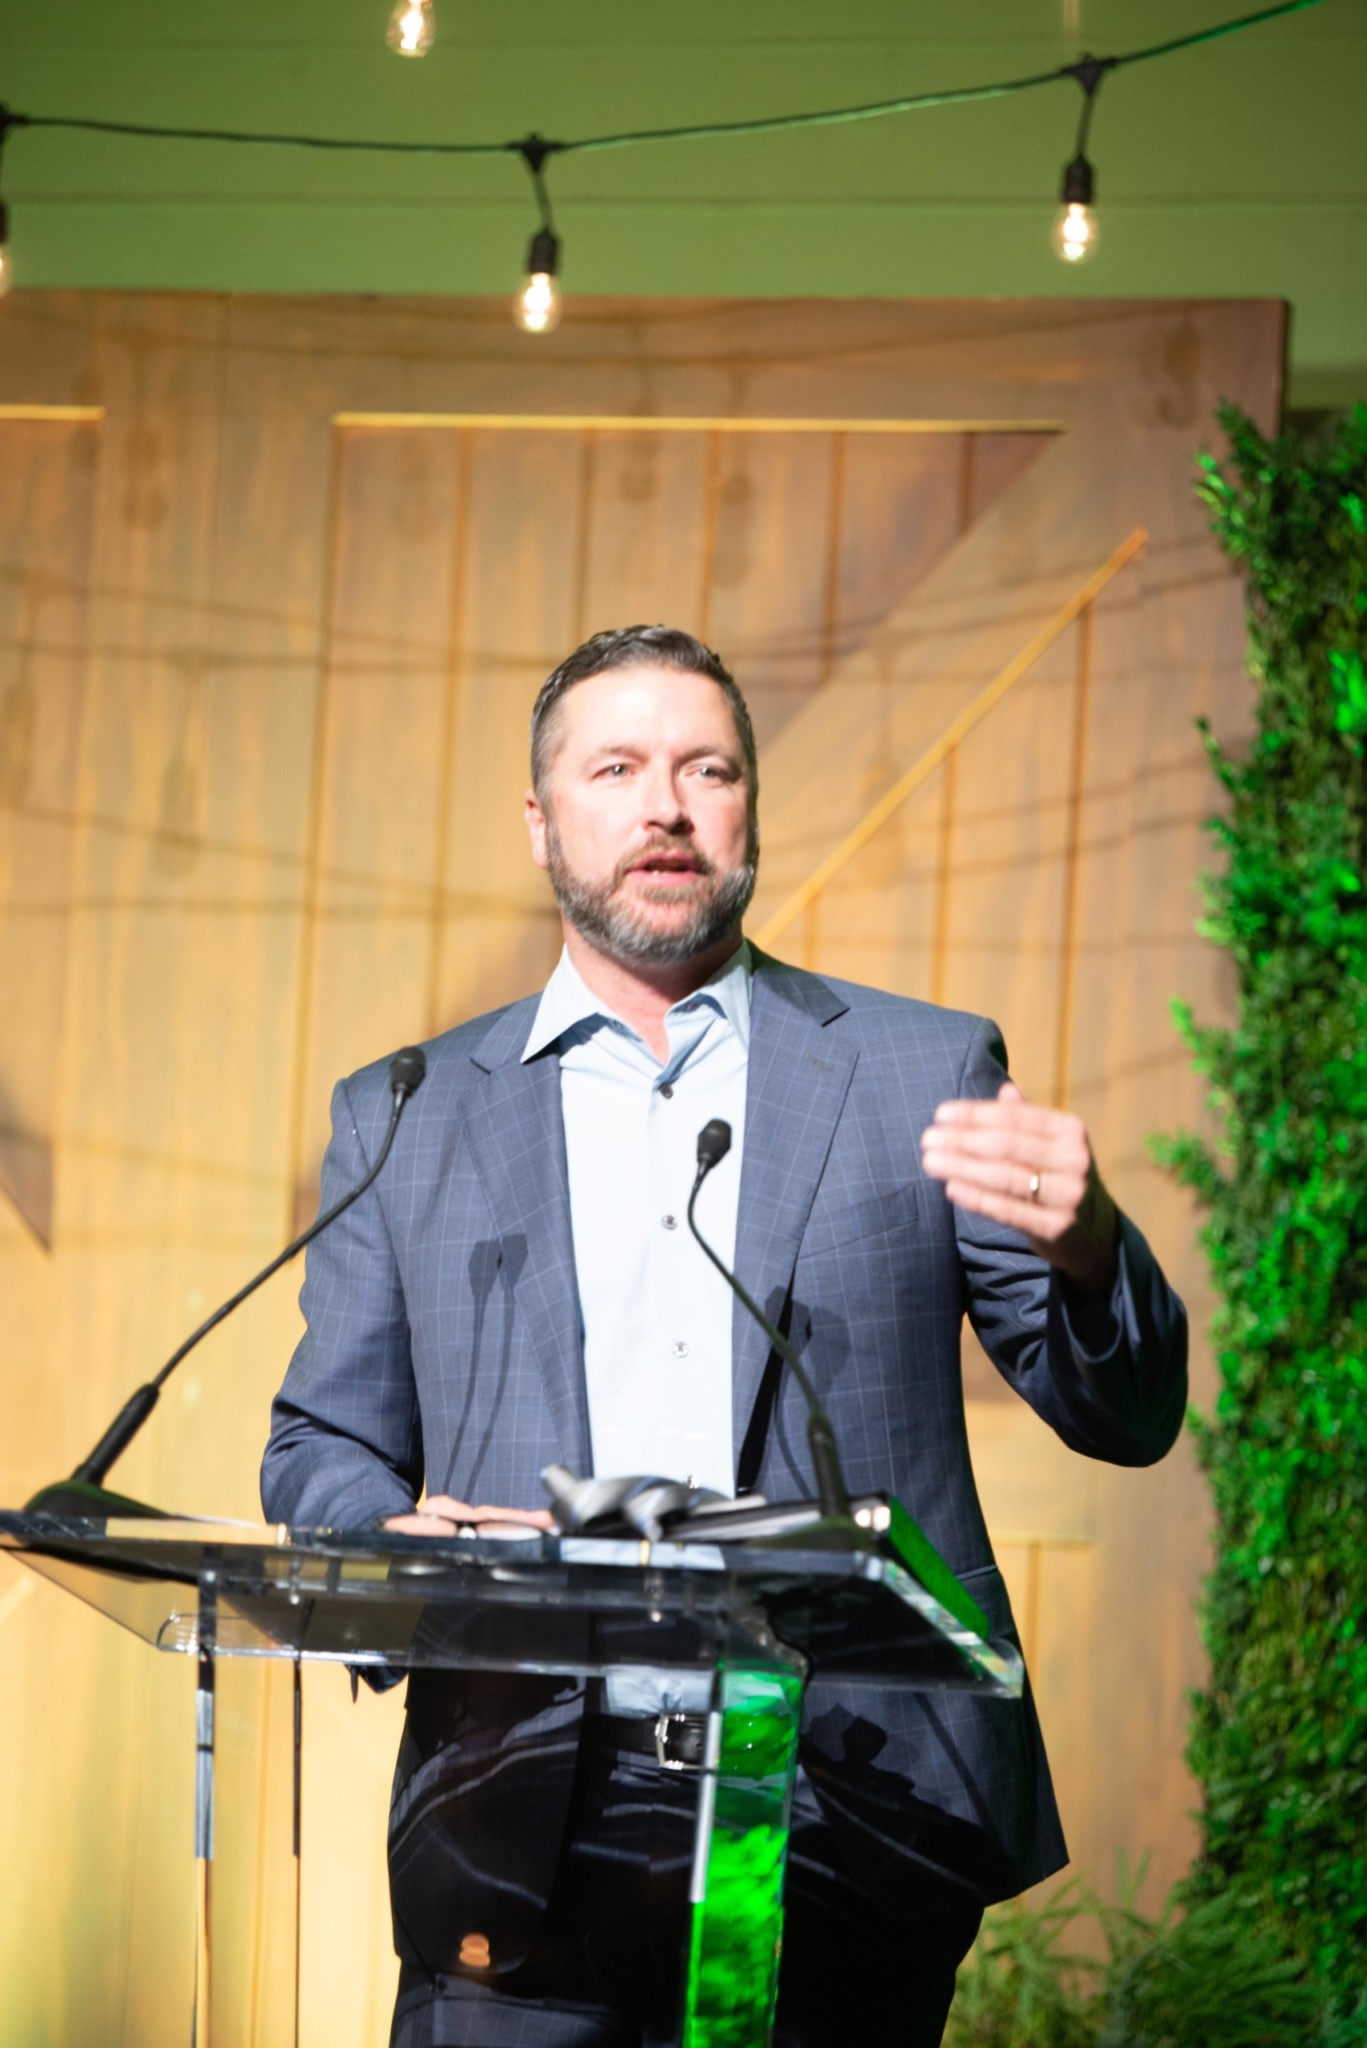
[1235, 170]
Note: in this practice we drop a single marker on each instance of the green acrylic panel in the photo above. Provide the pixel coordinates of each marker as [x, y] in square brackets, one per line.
[736, 1925]
[917, 1552]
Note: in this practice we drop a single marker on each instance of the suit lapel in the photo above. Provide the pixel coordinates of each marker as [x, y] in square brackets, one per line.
[516, 1134]
[799, 1076]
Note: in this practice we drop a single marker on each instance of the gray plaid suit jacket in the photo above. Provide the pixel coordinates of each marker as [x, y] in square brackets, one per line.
[444, 1345]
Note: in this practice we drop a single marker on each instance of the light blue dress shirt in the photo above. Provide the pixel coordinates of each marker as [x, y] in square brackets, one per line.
[656, 1314]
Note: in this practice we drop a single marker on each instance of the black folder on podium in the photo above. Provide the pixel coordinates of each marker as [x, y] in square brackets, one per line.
[759, 1616]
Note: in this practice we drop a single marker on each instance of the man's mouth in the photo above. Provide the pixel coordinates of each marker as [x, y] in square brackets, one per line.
[669, 865]
[666, 864]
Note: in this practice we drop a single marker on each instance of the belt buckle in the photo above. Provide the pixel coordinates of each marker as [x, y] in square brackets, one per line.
[666, 1762]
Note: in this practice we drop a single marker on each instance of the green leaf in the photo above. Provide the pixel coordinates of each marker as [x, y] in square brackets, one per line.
[1350, 690]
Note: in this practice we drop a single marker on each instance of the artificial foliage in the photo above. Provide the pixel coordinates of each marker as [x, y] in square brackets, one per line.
[1078, 1972]
[1279, 1735]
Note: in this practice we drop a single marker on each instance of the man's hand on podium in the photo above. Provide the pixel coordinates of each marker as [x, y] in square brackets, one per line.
[441, 1516]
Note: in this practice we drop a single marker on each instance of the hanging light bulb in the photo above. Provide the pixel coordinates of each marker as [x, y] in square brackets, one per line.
[1075, 228]
[537, 306]
[6, 273]
[410, 28]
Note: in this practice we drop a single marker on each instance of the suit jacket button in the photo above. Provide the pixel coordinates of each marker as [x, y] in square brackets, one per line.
[474, 1952]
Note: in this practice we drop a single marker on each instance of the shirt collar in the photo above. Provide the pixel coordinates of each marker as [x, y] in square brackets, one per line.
[567, 1000]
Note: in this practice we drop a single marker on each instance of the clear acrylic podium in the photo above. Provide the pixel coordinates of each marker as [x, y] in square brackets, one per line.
[759, 1617]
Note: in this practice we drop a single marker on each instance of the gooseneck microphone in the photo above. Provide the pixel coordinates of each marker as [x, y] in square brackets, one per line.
[714, 1142]
[84, 1492]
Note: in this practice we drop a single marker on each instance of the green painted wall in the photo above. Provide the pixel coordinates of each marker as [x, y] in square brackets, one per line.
[1238, 169]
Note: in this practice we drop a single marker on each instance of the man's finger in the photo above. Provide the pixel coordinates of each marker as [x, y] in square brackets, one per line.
[1062, 1148]
[530, 1518]
[997, 1113]
[1060, 1189]
[1003, 1176]
[1042, 1226]
[421, 1525]
[461, 1511]
[448, 1507]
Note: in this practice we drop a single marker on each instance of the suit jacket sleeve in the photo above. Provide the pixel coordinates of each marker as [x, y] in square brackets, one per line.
[1109, 1378]
[345, 1445]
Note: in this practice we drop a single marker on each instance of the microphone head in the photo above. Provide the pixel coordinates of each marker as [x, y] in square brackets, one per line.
[406, 1071]
[714, 1142]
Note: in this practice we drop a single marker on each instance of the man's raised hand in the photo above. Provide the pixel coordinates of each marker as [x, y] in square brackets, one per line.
[1032, 1169]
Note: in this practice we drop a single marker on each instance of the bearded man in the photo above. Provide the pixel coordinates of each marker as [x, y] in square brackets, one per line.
[519, 1290]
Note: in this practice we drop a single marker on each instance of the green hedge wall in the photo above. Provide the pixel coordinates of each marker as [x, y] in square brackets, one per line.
[1279, 1736]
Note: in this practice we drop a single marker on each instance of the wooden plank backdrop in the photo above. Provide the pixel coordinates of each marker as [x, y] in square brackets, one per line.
[278, 582]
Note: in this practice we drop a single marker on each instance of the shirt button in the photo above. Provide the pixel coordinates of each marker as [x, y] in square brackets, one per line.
[679, 1350]
[670, 1222]
[667, 1091]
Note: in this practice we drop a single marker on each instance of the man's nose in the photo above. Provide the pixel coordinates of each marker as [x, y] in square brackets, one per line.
[663, 806]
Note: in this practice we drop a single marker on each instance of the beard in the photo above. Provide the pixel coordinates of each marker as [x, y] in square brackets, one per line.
[625, 930]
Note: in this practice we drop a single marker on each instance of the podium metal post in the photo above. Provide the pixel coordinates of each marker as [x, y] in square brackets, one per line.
[201, 2032]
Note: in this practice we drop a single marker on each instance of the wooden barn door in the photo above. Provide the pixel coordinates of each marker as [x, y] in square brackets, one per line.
[467, 557]
[278, 582]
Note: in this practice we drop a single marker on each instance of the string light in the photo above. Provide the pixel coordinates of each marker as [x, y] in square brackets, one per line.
[1075, 227]
[410, 28]
[537, 305]
[536, 308]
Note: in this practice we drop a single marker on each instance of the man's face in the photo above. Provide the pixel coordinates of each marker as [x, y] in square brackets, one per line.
[644, 823]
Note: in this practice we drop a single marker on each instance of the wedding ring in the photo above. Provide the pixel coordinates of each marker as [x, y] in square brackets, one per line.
[1034, 1187]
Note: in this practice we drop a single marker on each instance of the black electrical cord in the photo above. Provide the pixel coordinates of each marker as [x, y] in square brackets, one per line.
[535, 146]
[1089, 72]
[534, 150]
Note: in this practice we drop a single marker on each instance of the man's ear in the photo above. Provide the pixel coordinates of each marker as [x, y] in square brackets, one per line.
[536, 827]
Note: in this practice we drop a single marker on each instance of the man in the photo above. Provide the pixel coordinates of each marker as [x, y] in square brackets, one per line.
[519, 1289]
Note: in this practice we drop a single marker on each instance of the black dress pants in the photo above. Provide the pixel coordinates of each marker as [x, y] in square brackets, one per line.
[606, 1967]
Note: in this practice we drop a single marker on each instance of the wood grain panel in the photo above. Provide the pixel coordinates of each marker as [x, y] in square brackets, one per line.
[645, 535]
[991, 464]
[777, 527]
[1030, 1485]
[1054, 1597]
[902, 510]
[877, 921]
[171, 1137]
[254, 1895]
[127, 1170]
[379, 764]
[528, 571]
[47, 477]
[1006, 904]
[350, 1971]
